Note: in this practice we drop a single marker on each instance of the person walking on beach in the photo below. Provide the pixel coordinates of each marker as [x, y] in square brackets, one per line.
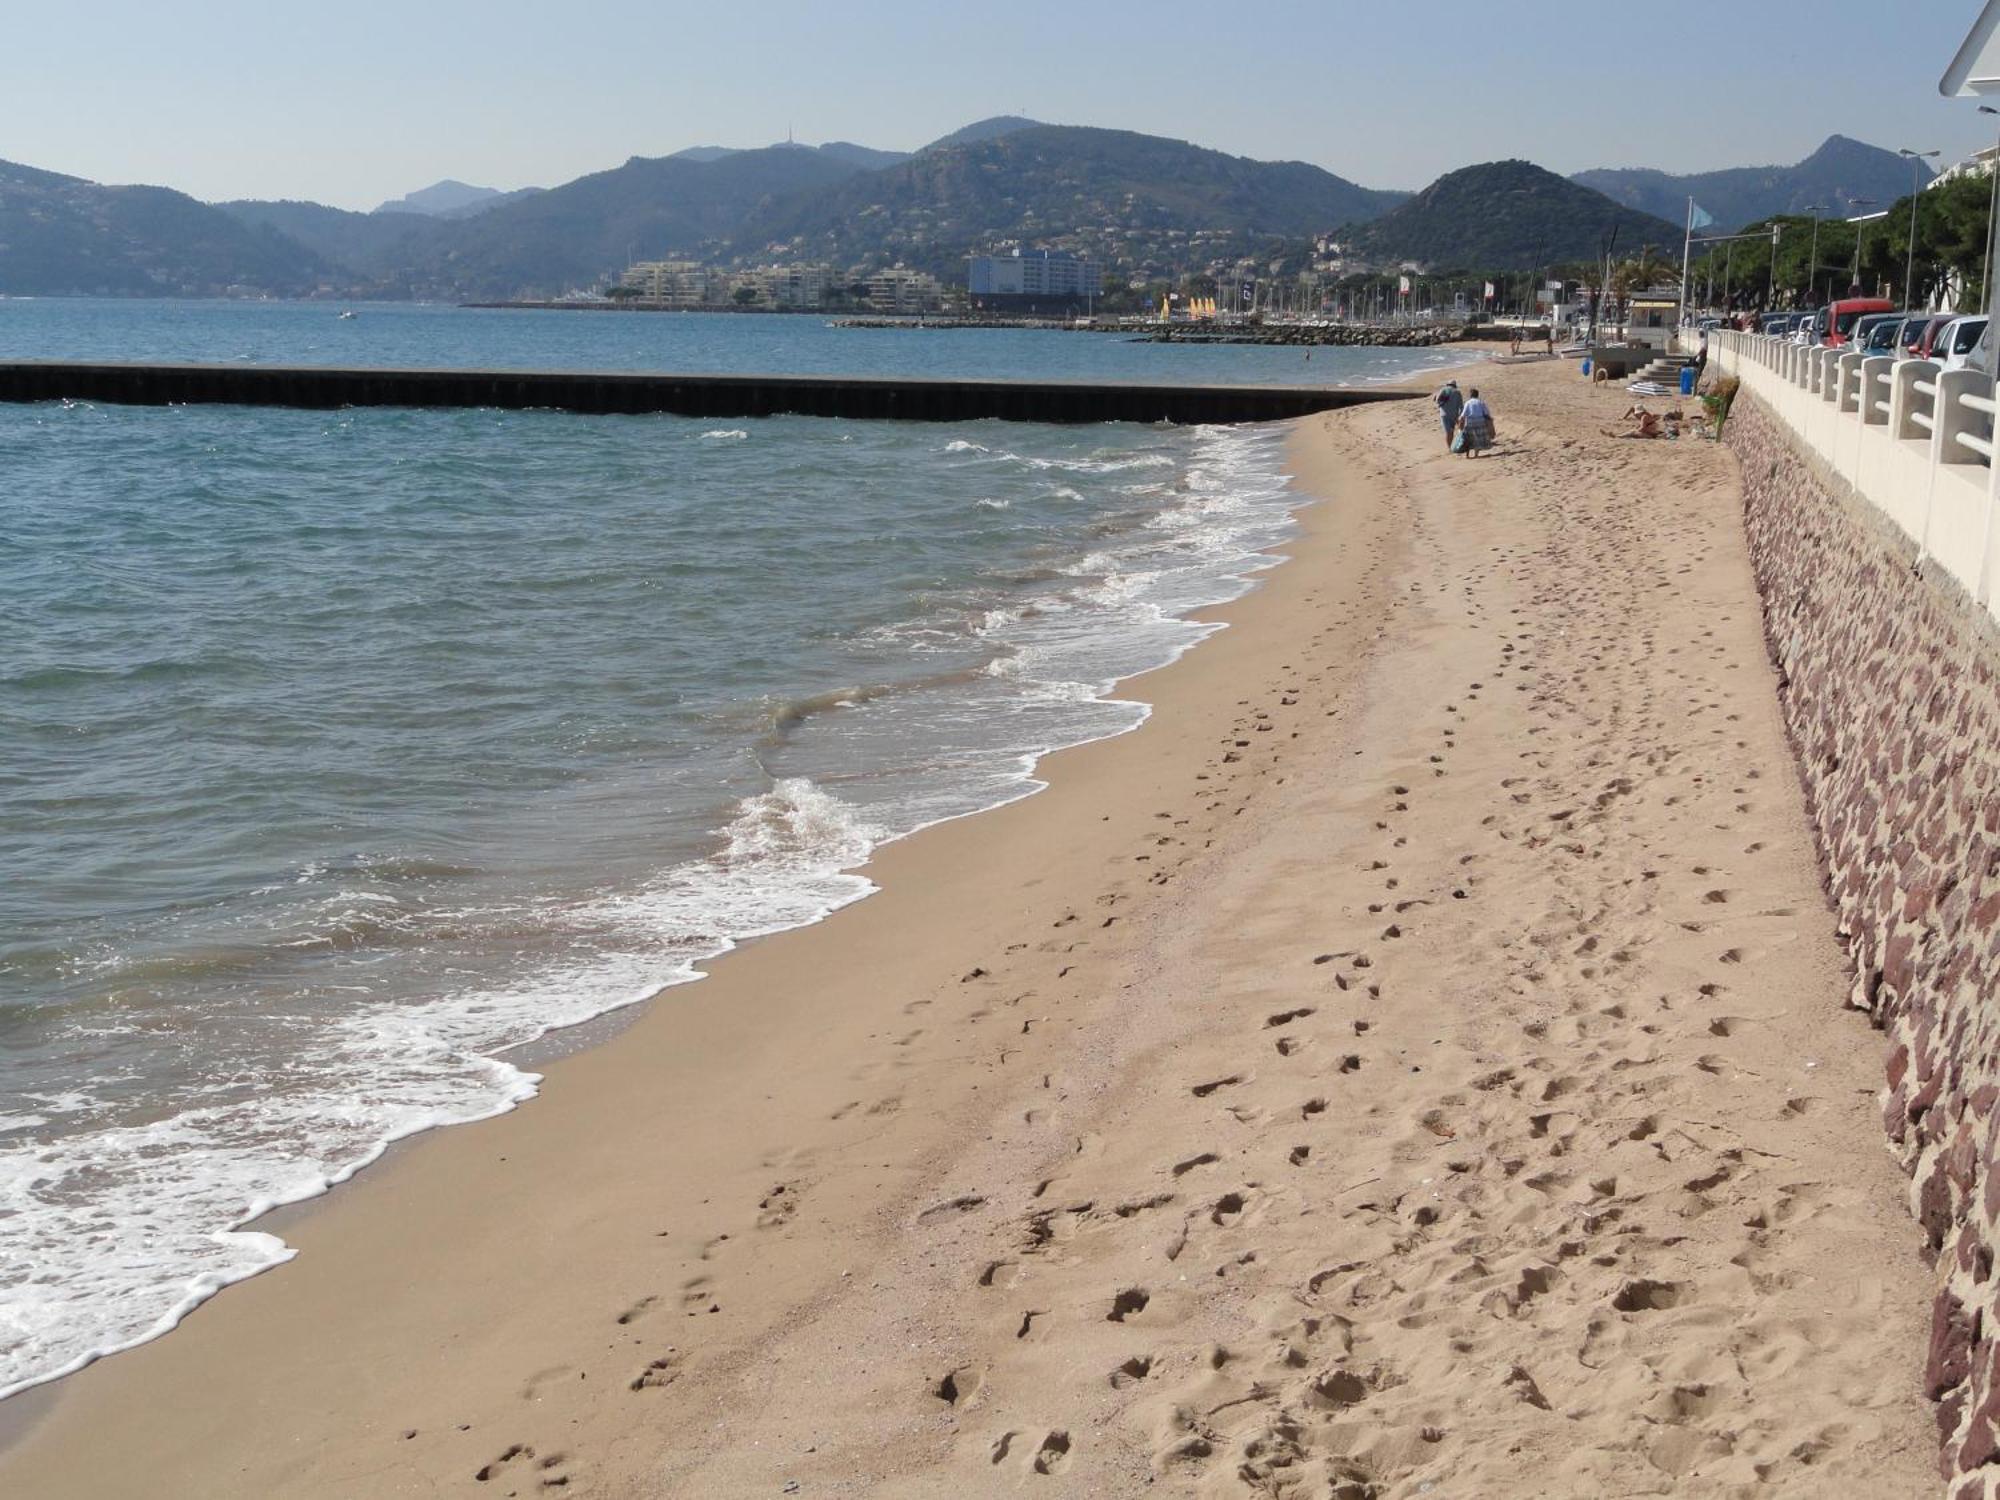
[1475, 425]
[1450, 402]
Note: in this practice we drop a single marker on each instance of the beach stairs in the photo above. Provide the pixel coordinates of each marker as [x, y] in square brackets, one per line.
[1666, 370]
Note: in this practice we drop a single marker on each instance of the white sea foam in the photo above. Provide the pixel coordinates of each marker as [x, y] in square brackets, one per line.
[161, 1238]
[727, 434]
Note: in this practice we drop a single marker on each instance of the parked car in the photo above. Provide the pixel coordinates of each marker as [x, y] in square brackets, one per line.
[1877, 335]
[1928, 343]
[1962, 345]
[1912, 335]
[1841, 316]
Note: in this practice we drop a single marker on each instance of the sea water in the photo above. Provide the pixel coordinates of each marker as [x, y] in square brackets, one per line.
[343, 753]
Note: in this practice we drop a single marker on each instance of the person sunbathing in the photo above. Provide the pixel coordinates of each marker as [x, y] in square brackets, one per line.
[1645, 425]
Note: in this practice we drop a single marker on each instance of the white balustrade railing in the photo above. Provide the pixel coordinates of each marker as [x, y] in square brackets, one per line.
[1913, 440]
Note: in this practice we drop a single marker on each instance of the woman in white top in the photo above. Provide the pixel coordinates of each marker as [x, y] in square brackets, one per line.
[1475, 425]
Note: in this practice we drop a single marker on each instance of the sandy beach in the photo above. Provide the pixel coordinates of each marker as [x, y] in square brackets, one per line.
[1414, 1062]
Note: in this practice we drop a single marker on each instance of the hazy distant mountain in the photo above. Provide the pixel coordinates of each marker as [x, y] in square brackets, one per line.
[1115, 194]
[373, 251]
[439, 198]
[64, 234]
[985, 130]
[650, 208]
[1502, 215]
[1838, 173]
[867, 158]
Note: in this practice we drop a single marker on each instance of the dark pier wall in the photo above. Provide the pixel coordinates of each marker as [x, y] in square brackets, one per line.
[681, 395]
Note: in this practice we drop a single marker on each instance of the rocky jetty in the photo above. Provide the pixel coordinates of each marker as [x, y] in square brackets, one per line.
[1308, 333]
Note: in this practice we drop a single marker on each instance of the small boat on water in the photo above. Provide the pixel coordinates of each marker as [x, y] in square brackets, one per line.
[348, 314]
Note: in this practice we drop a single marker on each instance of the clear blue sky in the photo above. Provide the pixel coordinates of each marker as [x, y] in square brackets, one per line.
[357, 102]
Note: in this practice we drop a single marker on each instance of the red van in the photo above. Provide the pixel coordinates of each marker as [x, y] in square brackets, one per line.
[1841, 316]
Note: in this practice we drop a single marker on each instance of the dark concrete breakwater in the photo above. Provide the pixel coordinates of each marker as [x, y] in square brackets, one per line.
[681, 395]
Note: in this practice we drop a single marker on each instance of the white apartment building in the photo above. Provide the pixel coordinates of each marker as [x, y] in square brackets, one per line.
[901, 290]
[672, 283]
[794, 286]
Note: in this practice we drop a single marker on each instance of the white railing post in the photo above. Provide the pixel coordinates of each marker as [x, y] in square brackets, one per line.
[1829, 375]
[1849, 397]
[1911, 395]
[1875, 374]
[1958, 419]
[1989, 566]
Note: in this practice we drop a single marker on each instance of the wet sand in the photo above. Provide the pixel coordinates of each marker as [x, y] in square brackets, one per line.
[1411, 1063]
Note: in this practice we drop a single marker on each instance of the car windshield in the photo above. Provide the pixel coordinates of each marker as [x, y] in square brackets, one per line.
[1845, 322]
[1969, 334]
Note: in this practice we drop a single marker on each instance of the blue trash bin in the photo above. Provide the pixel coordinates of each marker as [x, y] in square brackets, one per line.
[1687, 380]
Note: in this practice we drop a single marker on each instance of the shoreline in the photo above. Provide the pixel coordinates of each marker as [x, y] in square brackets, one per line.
[22, 1413]
[1327, 1081]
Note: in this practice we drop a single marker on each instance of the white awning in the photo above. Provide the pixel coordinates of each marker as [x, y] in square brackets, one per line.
[1975, 72]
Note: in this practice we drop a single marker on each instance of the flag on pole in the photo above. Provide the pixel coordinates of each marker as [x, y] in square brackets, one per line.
[1489, 291]
[1404, 288]
[1699, 217]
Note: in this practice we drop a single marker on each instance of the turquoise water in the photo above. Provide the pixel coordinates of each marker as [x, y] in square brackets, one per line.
[340, 754]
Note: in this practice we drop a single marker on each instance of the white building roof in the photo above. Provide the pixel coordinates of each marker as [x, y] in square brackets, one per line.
[1975, 72]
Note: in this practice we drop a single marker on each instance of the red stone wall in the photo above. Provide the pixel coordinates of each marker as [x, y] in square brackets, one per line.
[1890, 684]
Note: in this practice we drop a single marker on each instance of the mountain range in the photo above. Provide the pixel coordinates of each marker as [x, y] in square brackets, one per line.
[1842, 177]
[1146, 206]
[1112, 194]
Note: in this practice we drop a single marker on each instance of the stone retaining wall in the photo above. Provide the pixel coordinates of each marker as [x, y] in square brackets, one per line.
[1890, 685]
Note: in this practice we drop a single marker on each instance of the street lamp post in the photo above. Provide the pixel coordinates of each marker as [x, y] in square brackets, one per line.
[1860, 228]
[1916, 187]
[1812, 264]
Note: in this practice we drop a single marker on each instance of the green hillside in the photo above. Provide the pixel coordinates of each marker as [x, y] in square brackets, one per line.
[1121, 197]
[1502, 215]
[650, 208]
[62, 234]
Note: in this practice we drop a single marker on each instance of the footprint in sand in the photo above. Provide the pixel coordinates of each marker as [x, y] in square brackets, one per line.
[1052, 1457]
[1132, 1371]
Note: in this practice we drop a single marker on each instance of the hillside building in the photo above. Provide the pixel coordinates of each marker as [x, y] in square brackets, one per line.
[1979, 164]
